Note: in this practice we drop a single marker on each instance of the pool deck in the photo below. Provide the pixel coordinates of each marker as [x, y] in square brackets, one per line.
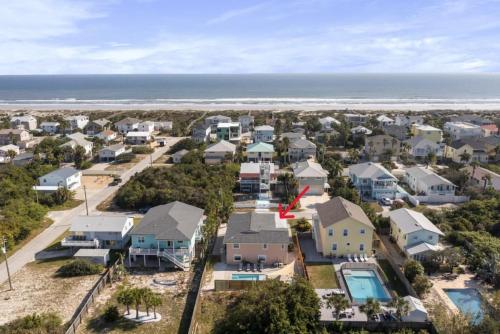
[327, 314]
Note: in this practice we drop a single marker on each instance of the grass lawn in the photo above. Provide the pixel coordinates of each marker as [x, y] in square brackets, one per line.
[322, 276]
[394, 283]
[72, 203]
[213, 308]
[124, 166]
[375, 206]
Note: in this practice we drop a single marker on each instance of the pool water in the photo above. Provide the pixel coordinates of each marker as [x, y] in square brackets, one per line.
[248, 277]
[468, 301]
[364, 284]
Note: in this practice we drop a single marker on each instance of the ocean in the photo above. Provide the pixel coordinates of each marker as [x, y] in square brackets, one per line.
[252, 89]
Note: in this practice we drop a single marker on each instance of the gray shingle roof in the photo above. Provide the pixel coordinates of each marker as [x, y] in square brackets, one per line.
[301, 143]
[309, 169]
[371, 170]
[257, 227]
[172, 221]
[222, 146]
[338, 209]
[128, 120]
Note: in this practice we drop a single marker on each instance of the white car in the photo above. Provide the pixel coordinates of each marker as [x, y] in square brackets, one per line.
[386, 201]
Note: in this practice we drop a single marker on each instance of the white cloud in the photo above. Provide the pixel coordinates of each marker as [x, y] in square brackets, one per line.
[232, 14]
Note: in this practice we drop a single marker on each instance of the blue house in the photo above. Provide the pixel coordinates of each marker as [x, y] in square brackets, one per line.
[168, 233]
[373, 181]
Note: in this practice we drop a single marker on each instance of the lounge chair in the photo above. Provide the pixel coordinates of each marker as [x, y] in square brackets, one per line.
[355, 258]
[349, 257]
[248, 267]
[365, 256]
[254, 266]
[240, 266]
[261, 266]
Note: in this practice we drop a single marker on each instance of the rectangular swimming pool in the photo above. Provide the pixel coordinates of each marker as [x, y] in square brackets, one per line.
[468, 301]
[248, 277]
[364, 284]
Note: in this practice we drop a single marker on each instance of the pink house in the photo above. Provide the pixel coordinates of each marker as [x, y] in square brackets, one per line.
[257, 237]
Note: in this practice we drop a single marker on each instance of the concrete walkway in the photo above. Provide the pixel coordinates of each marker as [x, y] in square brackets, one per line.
[62, 219]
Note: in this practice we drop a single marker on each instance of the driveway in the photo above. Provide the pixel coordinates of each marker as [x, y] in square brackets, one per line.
[62, 219]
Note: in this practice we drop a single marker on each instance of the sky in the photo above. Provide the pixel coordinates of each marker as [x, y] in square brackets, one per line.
[245, 36]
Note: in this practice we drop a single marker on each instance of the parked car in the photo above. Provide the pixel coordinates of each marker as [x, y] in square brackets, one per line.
[386, 201]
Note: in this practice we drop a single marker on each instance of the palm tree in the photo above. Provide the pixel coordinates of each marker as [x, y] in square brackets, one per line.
[11, 154]
[125, 297]
[353, 155]
[137, 296]
[430, 158]
[147, 298]
[465, 157]
[371, 307]
[474, 165]
[154, 302]
[338, 302]
[487, 180]
[401, 305]
[286, 144]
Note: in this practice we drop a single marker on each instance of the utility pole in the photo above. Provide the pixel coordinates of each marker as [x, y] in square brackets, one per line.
[4, 251]
[86, 203]
[151, 159]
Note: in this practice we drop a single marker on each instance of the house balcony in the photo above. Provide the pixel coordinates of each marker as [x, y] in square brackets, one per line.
[143, 251]
[70, 242]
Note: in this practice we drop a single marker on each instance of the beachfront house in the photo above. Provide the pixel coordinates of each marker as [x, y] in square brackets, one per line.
[414, 234]
[219, 152]
[257, 177]
[77, 122]
[66, 177]
[167, 233]
[408, 120]
[311, 174]
[373, 181]
[146, 126]
[341, 228]
[97, 126]
[263, 133]
[23, 122]
[50, 127]
[384, 121]
[100, 231]
[382, 147]
[328, 123]
[110, 153]
[247, 122]
[229, 131]
[213, 121]
[300, 150]
[462, 130]
[201, 133]
[260, 152]
[397, 131]
[138, 137]
[428, 132]
[127, 124]
[356, 119]
[257, 237]
[423, 181]
[163, 125]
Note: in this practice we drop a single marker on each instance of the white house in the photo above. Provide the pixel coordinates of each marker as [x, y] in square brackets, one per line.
[163, 126]
[213, 121]
[260, 152]
[424, 181]
[356, 119]
[177, 156]
[416, 235]
[107, 135]
[361, 130]
[127, 124]
[328, 122]
[408, 120]
[138, 137]
[217, 153]
[263, 133]
[67, 177]
[110, 153]
[78, 139]
[4, 152]
[384, 121]
[416, 310]
[246, 122]
[24, 122]
[50, 127]
[201, 133]
[461, 130]
[420, 147]
[146, 126]
[309, 173]
[77, 122]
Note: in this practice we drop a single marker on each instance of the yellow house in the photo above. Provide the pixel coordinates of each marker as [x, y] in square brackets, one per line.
[428, 132]
[341, 228]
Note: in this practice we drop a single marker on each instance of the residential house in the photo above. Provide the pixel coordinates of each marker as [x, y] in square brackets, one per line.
[421, 147]
[163, 126]
[482, 177]
[462, 130]
[146, 126]
[471, 118]
[324, 136]
[77, 122]
[380, 146]
[110, 153]
[23, 122]
[373, 181]
[168, 233]
[408, 120]
[218, 152]
[78, 139]
[397, 131]
[428, 132]
[50, 127]
[177, 156]
[257, 237]
[384, 121]
[5, 152]
[97, 126]
[301, 149]
[478, 150]
[229, 131]
[328, 123]
[311, 174]
[213, 121]
[138, 137]
[257, 177]
[356, 119]
[201, 134]
[23, 159]
[263, 133]
[489, 130]
[246, 122]
[416, 310]
[424, 181]
[110, 232]
[14, 136]
[127, 124]
[416, 235]
[341, 228]
[66, 177]
[292, 136]
[260, 152]
[361, 131]
[107, 135]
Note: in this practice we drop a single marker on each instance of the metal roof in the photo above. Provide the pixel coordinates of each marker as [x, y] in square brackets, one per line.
[411, 221]
[99, 223]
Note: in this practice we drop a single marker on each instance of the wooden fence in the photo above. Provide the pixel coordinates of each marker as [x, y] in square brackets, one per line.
[234, 285]
[382, 326]
[299, 259]
[89, 299]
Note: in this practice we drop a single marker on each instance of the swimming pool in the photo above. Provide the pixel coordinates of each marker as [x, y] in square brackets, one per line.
[468, 301]
[248, 277]
[364, 284]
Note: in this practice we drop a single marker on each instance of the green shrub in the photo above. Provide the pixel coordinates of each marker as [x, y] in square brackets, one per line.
[86, 164]
[125, 157]
[44, 323]
[79, 268]
[303, 225]
[142, 150]
[412, 269]
[111, 313]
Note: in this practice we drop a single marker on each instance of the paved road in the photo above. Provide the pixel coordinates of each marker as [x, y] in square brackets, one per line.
[62, 219]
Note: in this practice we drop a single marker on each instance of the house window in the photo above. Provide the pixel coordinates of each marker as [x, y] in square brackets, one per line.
[334, 247]
[140, 239]
[346, 232]
[330, 232]
[237, 258]
[236, 246]
[261, 258]
[264, 246]
[361, 247]
[362, 231]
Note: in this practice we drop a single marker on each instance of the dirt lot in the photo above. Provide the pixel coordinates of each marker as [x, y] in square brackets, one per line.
[96, 182]
[124, 166]
[174, 299]
[36, 289]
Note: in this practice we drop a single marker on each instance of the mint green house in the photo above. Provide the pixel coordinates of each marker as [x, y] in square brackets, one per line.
[169, 233]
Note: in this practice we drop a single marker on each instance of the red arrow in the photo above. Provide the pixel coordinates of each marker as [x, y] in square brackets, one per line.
[283, 213]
